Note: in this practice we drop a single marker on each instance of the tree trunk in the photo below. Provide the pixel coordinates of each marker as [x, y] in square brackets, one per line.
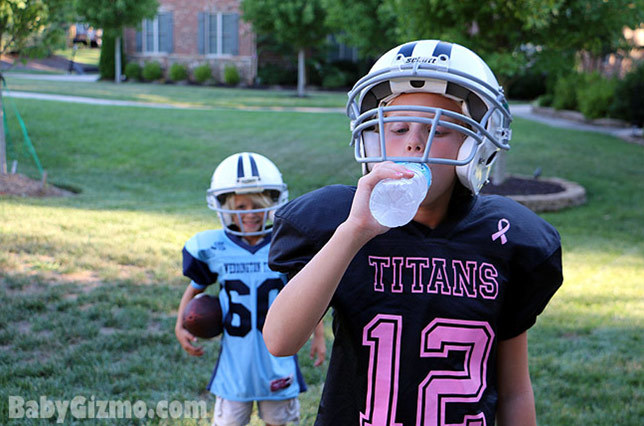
[301, 73]
[3, 143]
[117, 59]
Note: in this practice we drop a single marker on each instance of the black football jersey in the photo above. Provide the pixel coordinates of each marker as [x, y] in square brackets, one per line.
[419, 312]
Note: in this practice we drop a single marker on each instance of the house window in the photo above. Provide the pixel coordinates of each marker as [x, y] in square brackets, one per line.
[156, 34]
[340, 52]
[218, 34]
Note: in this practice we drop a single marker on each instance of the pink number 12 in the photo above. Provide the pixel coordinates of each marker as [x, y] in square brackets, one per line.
[438, 388]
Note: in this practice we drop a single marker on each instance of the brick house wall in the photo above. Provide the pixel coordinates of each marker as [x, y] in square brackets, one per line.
[185, 39]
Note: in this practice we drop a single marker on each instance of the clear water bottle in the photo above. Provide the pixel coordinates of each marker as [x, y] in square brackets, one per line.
[394, 202]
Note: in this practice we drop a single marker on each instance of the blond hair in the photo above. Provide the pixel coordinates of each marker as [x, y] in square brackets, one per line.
[261, 200]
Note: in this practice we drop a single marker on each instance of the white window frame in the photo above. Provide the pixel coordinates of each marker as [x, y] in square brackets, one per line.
[155, 37]
[219, 36]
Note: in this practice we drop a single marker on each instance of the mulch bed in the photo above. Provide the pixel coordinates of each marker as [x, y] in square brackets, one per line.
[22, 186]
[522, 186]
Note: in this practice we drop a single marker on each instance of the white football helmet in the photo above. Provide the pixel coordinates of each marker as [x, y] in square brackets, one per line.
[246, 173]
[433, 66]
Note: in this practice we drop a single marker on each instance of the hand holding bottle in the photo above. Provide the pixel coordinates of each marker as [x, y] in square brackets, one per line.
[394, 202]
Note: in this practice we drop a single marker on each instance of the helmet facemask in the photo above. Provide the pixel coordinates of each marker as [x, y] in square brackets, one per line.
[231, 218]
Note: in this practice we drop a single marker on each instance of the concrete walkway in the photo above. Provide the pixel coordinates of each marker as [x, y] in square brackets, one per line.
[526, 111]
[96, 101]
[55, 77]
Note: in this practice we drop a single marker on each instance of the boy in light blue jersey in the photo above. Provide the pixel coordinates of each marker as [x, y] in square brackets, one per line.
[245, 191]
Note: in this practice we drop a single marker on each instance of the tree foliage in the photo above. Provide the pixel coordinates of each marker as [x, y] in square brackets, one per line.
[299, 23]
[512, 35]
[32, 27]
[369, 25]
[113, 15]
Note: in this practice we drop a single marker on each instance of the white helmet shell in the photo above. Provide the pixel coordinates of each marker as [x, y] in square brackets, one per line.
[433, 66]
[246, 173]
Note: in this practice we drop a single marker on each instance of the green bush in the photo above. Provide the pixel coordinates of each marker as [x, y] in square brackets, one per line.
[178, 72]
[334, 79]
[106, 59]
[595, 96]
[271, 74]
[565, 91]
[231, 75]
[133, 71]
[202, 73]
[152, 71]
[528, 85]
[628, 103]
[545, 100]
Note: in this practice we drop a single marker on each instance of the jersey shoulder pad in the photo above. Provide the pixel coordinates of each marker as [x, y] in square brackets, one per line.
[321, 210]
[204, 240]
[528, 234]
[305, 224]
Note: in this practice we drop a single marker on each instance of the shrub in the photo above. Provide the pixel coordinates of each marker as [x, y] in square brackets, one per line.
[271, 74]
[152, 71]
[545, 100]
[628, 103]
[595, 96]
[106, 60]
[178, 72]
[334, 79]
[565, 91]
[231, 75]
[202, 73]
[527, 86]
[133, 71]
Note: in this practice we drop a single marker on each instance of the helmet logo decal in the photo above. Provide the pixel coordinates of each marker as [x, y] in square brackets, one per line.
[442, 51]
[241, 175]
[240, 167]
[253, 166]
[405, 51]
[503, 226]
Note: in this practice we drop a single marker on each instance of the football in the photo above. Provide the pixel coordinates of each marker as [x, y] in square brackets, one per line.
[202, 316]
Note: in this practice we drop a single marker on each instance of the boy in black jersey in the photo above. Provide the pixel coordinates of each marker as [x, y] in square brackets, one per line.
[430, 318]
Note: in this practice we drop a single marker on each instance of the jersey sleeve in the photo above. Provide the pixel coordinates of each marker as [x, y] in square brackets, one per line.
[304, 225]
[195, 265]
[535, 277]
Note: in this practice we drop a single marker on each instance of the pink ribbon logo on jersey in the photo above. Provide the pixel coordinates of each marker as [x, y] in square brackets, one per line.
[503, 226]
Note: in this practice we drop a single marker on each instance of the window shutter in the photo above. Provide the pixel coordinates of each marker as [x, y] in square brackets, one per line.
[230, 34]
[213, 34]
[139, 41]
[201, 18]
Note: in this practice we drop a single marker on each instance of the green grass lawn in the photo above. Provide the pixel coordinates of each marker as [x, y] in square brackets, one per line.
[83, 55]
[90, 283]
[193, 96]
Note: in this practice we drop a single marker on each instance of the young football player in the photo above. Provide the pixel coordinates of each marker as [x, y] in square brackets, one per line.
[246, 189]
[430, 319]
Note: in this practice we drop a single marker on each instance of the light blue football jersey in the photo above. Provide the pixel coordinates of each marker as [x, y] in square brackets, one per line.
[245, 370]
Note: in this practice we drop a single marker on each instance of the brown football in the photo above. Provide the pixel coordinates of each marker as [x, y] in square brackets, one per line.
[202, 316]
